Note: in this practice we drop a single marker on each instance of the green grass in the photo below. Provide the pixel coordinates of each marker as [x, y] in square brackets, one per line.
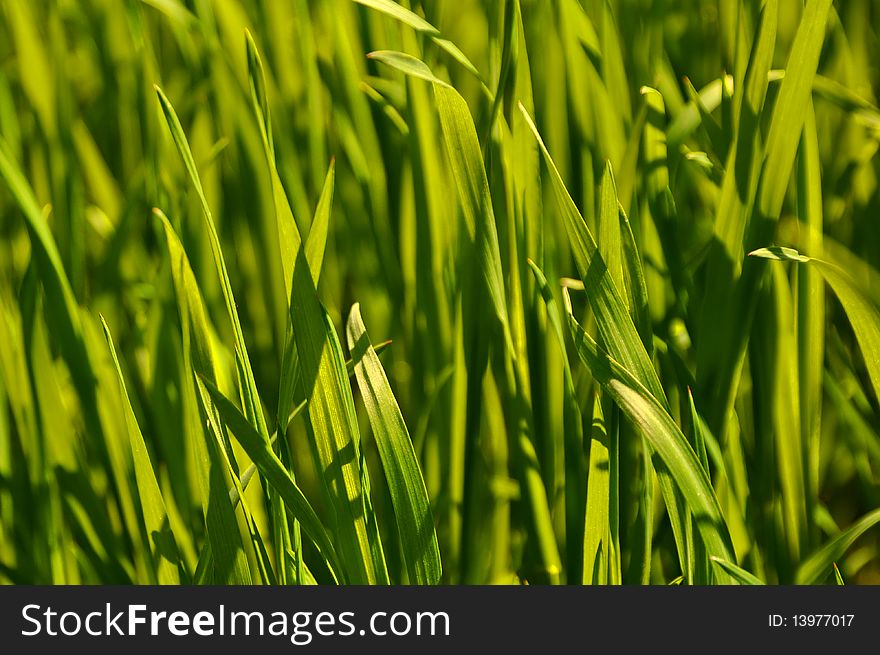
[616, 258]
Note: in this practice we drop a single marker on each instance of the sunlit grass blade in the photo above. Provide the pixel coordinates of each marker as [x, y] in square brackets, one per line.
[660, 430]
[740, 575]
[612, 317]
[233, 556]
[391, 8]
[409, 497]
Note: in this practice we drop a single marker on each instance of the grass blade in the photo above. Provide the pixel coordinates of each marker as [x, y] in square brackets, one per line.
[408, 494]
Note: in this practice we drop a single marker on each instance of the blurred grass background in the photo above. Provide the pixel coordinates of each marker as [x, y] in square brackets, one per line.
[776, 371]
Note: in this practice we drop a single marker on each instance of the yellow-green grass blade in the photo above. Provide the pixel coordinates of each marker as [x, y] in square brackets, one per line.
[598, 545]
[818, 566]
[407, 487]
[741, 576]
[575, 474]
[699, 564]
[773, 358]
[717, 362]
[611, 249]
[315, 246]
[258, 559]
[810, 311]
[788, 112]
[163, 546]
[316, 241]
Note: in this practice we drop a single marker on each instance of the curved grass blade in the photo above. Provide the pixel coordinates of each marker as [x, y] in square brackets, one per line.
[860, 308]
[817, 566]
[615, 325]
[419, 24]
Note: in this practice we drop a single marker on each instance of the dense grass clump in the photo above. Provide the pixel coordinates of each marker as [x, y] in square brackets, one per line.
[426, 291]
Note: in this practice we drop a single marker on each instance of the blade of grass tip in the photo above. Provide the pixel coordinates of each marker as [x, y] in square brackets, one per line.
[405, 16]
[817, 566]
[700, 565]
[163, 545]
[316, 241]
[658, 427]
[276, 475]
[250, 396]
[405, 483]
[740, 575]
[287, 392]
[419, 24]
[837, 577]
[469, 172]
[288, 234]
